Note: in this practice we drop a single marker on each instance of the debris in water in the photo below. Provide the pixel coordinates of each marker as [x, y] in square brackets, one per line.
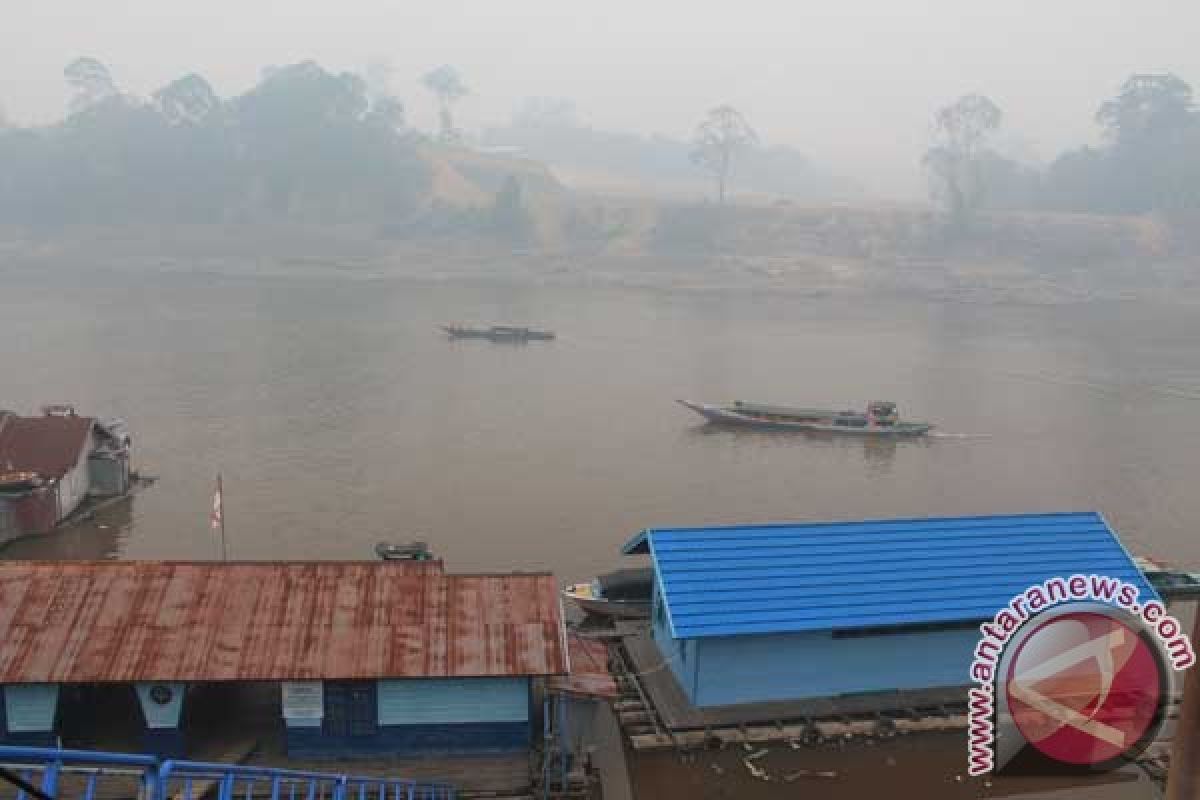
[809, 773]
[756, 770]
[757, 754]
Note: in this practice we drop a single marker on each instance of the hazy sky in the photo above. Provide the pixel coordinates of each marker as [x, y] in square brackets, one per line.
[853, 83]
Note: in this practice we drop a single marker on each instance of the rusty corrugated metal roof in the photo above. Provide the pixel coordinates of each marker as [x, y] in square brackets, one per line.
[589, 674]
[79, 622]
[49, 446]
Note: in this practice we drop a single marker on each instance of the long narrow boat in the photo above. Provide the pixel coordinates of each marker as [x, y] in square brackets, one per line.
[498, 333]
[880, 419]
[413, 551]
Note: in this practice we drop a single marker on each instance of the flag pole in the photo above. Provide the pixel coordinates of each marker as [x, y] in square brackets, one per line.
[221, 493]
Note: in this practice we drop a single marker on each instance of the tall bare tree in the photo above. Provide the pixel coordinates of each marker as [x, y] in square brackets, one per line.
[955, 161]
[448, 87]
[721, 134]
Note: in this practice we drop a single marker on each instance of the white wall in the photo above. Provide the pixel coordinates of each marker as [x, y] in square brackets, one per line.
[74, 485]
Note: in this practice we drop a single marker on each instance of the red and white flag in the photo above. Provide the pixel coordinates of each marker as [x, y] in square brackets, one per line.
[214, 518]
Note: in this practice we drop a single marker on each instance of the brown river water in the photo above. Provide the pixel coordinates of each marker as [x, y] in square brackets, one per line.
[339, 416]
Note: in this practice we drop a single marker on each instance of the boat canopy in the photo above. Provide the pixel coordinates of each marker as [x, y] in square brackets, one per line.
[785, 411]
[627, 584]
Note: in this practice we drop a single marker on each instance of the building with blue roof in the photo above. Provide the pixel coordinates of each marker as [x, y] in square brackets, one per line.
[761, 613]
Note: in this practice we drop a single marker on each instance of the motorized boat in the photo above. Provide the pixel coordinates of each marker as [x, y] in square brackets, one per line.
[413, 551]
[880, 418]
[623, 594]
[16, 481]
[498, 333]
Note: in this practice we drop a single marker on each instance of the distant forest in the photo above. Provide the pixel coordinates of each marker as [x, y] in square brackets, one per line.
[309, 145]
[304, 144]
[547, 129]
[1149, 160]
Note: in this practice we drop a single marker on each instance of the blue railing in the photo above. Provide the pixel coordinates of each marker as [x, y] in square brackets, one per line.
[150, 778]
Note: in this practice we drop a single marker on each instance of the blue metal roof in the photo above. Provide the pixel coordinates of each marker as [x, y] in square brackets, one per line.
[841, 575]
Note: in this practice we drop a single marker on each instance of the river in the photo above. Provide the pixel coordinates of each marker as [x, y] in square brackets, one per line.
[339, 416]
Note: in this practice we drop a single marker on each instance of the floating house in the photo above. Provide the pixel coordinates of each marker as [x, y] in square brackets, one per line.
[365, 658]
[768, 613]
[51, 463]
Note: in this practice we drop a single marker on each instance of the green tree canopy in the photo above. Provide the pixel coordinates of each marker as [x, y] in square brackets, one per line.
[304, 143]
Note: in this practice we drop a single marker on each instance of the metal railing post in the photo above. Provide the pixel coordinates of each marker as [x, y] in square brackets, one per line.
[226, 787]
[156, 777]
[50, 778]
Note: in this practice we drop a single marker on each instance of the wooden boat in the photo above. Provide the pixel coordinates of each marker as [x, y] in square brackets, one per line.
[624, 594]
[498, 333]
[19, 481]
[413, 551]
[880, 419]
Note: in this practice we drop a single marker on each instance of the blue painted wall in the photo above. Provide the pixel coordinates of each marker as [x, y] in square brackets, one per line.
[672, 649]
[412, 740]
[436, 716]
[748, 669]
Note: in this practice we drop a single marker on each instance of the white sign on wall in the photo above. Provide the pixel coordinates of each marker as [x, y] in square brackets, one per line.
[162, 703]
[303, 703]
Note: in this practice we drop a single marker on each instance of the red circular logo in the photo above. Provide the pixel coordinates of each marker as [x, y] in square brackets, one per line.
[1085, 688]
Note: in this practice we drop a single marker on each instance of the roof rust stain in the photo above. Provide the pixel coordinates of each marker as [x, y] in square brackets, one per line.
[590, 675]
[48, 446]
[79, 622]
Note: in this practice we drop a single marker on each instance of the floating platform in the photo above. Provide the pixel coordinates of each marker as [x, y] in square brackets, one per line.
[655, 713]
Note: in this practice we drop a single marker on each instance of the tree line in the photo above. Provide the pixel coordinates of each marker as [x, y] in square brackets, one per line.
[307, 144]
[1149, 160]
[303, 144]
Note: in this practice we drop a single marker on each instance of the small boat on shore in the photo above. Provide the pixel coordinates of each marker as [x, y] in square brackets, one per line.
[880, 419]
[623, 594]
[498, 333]
[413, 551]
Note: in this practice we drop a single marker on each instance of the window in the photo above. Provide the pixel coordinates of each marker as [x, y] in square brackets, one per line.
[349, 708]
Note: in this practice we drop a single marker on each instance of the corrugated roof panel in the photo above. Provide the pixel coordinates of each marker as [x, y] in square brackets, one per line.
[79, 622]
[842, 575]
[589, 676]
[49, 446]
